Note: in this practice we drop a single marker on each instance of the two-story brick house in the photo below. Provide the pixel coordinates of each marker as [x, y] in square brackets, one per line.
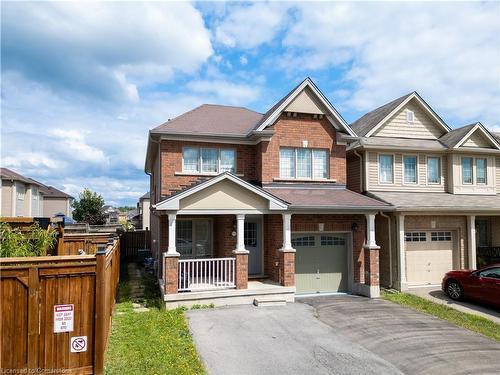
[237, 195]
[443, 183]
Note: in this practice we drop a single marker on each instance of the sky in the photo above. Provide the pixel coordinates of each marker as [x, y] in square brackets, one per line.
[83, 82]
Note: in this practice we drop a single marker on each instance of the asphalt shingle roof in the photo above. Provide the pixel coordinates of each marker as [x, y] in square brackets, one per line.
[8, 174]
[454, 136]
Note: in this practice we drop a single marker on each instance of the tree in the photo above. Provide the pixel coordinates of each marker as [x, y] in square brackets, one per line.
[89, 208]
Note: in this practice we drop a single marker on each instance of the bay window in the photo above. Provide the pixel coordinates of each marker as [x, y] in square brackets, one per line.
[386, 169]
[433, 170]
[303, 163]
[208, 160]
[481, 171]
[410, 169]
[467, 170]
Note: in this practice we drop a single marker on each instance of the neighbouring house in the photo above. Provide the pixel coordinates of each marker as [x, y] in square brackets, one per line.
[246, 204]
[444, 184]
[143, 211]
[20, 196]
[111, 214]
[55, 202]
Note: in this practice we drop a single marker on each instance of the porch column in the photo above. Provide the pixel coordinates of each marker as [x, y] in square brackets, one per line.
[13, 199]
[402, 283]
[287, 254]
[371, 255]
[241, 254]
[471, 243]
[29, 192]
[171, 259]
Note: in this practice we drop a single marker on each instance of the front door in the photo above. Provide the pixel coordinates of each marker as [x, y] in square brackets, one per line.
[253, 243]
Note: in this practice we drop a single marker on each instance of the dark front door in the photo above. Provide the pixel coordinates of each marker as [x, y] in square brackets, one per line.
[253, 243]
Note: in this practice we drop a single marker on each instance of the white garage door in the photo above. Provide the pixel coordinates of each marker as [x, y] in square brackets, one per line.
[320, 262]
[429, 255]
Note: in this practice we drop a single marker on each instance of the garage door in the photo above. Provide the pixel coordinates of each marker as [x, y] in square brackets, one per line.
[429, 255]
[320, 262]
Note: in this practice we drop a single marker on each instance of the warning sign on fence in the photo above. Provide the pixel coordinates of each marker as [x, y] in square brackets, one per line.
[64, 315]
[78, 344]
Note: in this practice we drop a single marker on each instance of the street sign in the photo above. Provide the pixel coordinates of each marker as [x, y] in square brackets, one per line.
[78, 344]
[63, 318]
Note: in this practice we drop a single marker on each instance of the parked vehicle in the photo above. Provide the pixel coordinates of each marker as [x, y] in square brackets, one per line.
[481, 285]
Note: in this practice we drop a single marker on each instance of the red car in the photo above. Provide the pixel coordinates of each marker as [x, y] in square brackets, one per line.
[482, 285]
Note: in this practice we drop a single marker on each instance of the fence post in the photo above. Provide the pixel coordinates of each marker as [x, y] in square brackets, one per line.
[33, 318]
[100, 310]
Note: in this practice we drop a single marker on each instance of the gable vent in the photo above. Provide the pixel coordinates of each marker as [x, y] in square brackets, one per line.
[410, 116]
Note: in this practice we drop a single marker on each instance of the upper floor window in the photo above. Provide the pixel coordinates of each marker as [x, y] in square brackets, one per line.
[303, 163]
[410, 169]
[386, 169]
[208, 160]
[467, 170]
[433, 170]
[410, 116]
[481, 171]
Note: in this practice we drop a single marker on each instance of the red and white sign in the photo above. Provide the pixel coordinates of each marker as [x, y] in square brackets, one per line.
[78, 344]
[64, 316]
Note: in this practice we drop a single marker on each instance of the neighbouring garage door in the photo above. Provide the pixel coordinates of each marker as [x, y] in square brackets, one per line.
[429, 255]
[320, 262]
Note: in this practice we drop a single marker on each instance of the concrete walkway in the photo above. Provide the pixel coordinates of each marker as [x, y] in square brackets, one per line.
[436, 295]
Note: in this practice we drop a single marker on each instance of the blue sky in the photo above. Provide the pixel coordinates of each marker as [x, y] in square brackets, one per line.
[83, 82]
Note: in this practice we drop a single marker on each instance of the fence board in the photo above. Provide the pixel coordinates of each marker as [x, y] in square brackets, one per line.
[131, 242]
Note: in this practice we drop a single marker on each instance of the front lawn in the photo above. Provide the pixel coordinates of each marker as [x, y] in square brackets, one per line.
[157, 341]
[472, 322]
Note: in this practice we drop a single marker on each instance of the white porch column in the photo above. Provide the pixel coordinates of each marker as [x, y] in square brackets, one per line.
[29, 192]
[471, 243]
[370, 230]
[172, 251]
[14, 199]
[287, 232]
[240, 233]
[403, 284]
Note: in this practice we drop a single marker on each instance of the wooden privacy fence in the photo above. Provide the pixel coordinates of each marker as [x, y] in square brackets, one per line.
[74, 295]
[69, 244]
[133, 241]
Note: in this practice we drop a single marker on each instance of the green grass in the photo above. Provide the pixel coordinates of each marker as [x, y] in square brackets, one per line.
[471, 322]
[153, 342]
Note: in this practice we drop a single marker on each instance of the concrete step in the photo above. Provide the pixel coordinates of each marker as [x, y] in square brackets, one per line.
[269, 301]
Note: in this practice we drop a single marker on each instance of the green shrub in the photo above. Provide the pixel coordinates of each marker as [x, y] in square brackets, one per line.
[33, 241]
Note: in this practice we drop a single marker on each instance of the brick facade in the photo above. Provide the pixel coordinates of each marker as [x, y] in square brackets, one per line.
[171, 274]
[241, 278]
[287, 268]
[371, 266]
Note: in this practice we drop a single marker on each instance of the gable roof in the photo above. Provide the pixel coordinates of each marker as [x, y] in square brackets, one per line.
[456, 137]
[272, 114]
[496, 135]
[52, 192]
[8, 174]
[367, 124]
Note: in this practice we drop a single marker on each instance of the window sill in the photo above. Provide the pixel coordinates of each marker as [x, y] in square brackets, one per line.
[205, 174]
[304, 180]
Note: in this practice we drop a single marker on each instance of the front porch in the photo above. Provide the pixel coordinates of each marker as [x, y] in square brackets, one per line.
[487, 240]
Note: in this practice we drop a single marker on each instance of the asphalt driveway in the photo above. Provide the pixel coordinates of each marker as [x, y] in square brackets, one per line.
[337, 335]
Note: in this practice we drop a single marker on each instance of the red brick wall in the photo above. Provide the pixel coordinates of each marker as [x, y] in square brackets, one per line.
[354, 175]
[382, 238]
[290, 132]
[171, 162]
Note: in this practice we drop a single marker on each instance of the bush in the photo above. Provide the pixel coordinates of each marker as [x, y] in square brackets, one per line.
[33, 241]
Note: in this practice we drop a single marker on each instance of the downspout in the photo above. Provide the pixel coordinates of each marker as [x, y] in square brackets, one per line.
[390, 245]
[360, 170]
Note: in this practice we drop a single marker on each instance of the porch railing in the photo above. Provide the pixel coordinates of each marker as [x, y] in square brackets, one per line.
[487, 255]
[206, 274]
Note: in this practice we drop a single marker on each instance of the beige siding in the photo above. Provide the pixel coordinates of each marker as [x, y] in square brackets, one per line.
[53, 206]
[498, 174]
[423, 127]
[6, 198]
[477, 140]
[398, 185]
[306, 102]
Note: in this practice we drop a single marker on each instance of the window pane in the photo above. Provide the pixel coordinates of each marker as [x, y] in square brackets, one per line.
[410, 166]
[304, 167]
[209, 160]
[228, 161]
[433, 170]
[184, 237]
[467, 170]
[190, 157]
[481, 171]
[320, 163]
[386, 171]
[202, 243]
[287, 163]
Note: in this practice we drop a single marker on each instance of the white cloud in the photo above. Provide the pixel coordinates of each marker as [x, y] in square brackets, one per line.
[243, 60]
[226, 91]
[72, 142]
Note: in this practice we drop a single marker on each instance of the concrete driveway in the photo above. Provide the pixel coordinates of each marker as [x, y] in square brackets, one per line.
[337, 335]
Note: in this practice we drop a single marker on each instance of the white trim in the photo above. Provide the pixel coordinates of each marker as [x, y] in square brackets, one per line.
[380, 182]
[417, 166]
[172, 203]
[307, 83]
[474, 128]
[428, 109]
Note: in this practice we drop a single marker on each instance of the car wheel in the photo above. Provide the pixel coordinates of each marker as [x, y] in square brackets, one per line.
[454, 290]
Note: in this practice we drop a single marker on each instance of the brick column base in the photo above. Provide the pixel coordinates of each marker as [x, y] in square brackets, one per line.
[171, 274]
[287, 267]
[241, 277]
[371, 265]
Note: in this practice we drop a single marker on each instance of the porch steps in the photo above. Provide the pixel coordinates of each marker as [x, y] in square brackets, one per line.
[269, 301]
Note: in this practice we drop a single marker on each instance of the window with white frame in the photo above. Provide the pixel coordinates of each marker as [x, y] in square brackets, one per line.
[410, 169]
[303, 241]
[415, 237]
[303, 163]
[433, 170]
[481, 168]
[440, 236]
[194, 238]
[467, 171]
[410, 116]
[208, 160]
[386, 169]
